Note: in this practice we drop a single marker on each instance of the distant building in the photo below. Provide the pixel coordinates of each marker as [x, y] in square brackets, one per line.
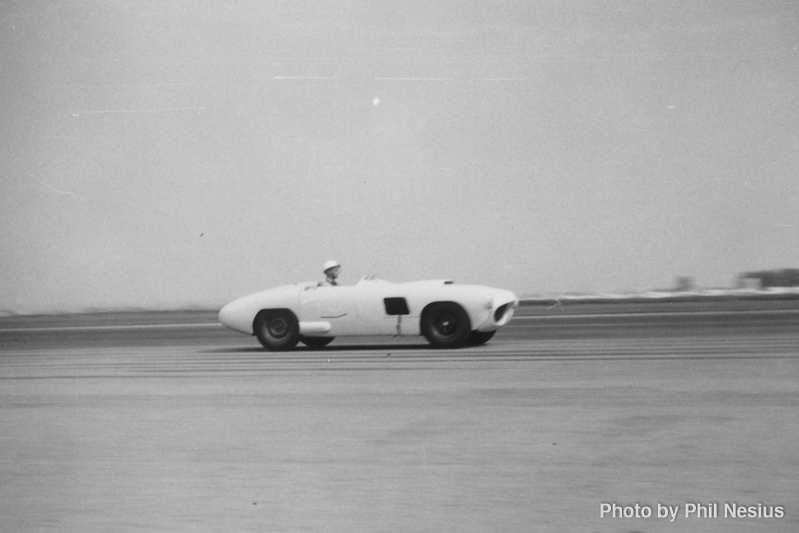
[745, 281]
[787, 277]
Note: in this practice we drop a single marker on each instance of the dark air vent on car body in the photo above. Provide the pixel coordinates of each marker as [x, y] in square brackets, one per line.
[396, 306]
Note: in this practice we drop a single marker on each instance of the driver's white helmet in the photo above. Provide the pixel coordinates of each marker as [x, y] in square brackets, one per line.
[330, 264]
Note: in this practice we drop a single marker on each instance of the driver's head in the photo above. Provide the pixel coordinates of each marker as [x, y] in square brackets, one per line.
[331, 268]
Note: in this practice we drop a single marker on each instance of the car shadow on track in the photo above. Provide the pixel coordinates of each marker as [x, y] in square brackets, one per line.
[332, 349]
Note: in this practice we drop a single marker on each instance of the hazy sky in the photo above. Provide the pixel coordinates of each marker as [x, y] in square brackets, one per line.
[171, 153]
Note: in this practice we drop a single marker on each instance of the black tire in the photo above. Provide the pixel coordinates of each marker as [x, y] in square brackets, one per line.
[476, 338]
[316, 343]
[446, 325]
[277, 329]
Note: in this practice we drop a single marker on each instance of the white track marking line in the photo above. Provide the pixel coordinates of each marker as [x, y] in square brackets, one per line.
[121, 326]
[661, 313]
[515, 318]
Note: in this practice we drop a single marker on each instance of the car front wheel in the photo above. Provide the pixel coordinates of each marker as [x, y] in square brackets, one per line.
[446, 325]
[277, 330]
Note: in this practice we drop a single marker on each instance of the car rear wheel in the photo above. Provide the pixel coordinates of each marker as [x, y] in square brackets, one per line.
[315, 343]
[476, 338]
[277, 329]
[446, 325]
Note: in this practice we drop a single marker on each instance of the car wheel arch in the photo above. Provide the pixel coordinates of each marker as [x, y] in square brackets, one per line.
[426, 309]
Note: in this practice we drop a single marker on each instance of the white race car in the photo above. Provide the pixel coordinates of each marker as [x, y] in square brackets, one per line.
[447, 314]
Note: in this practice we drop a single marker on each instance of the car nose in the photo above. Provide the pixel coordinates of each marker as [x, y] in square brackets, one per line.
[231, 315]
[226, 314]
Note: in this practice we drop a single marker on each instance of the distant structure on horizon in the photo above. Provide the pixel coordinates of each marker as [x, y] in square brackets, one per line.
[685, 284]
[764, 279]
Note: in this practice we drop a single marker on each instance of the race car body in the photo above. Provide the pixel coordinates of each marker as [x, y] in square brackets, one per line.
[447, 314]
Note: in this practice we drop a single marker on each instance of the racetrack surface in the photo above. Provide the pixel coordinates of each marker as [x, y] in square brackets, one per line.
[169, 422]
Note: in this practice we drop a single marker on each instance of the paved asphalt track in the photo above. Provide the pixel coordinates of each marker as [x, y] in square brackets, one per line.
[169, 422]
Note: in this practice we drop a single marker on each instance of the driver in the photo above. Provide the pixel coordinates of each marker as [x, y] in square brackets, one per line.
[331, 269]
